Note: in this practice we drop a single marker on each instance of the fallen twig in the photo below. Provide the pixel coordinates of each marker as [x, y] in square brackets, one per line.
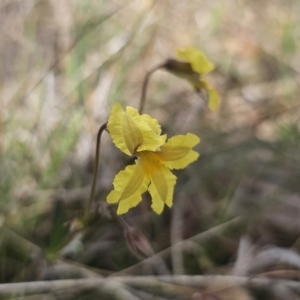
[116, 283]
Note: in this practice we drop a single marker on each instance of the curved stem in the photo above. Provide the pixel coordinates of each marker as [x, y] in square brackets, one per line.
[145, 86]
[93, 189]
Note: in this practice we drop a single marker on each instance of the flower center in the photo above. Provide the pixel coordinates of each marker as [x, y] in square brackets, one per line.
[149, 162]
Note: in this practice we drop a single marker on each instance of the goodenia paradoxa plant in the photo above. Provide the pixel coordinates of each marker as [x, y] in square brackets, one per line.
[140, 136]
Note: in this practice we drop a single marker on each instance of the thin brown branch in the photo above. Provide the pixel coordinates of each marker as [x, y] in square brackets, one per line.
[116, 283]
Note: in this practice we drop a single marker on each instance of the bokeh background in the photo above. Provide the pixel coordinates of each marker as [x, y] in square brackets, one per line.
[63, 64]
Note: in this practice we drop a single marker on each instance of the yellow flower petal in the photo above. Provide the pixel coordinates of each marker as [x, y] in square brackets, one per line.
[129, 185]
[130, 133]
[162, 188]
[213, 96]
[177, 153]
[123, 130]
[148, 128]
[153, 123]
[197, 59]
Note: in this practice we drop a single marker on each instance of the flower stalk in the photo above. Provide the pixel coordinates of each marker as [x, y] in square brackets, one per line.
[96, 170]
[145, 86]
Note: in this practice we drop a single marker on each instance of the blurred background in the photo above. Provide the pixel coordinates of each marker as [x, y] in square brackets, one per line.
[63, 64]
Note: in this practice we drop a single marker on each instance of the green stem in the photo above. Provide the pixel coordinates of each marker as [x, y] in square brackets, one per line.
[93, 189]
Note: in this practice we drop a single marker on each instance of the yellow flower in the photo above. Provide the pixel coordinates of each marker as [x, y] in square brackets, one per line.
[194, 66]
[201, 65]
[140, 136]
